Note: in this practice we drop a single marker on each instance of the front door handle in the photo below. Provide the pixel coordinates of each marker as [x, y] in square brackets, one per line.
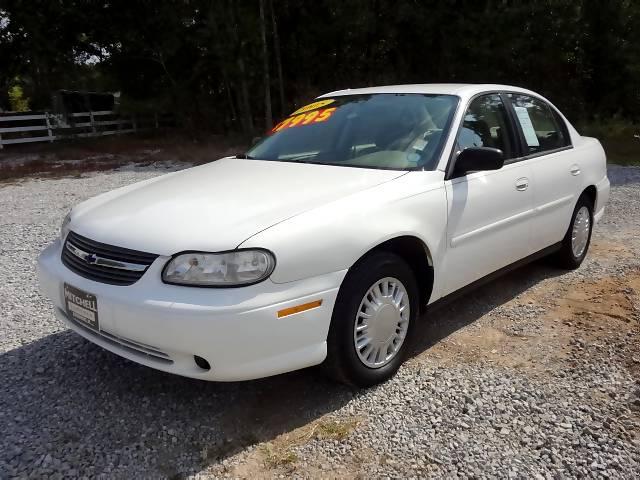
[522, 184]
[575, 170]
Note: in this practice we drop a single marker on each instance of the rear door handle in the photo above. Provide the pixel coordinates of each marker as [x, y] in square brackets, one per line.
[575, 170]
[522, 184]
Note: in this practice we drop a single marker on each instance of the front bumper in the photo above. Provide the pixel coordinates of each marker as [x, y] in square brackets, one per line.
[235, 329]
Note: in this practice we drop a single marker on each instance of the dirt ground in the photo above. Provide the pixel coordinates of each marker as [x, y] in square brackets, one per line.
[574, 316]
[73, 158]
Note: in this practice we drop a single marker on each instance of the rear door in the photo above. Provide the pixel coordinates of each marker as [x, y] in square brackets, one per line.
[555, 168]
[489, 212]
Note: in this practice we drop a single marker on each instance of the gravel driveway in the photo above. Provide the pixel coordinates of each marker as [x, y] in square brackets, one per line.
[536, 375]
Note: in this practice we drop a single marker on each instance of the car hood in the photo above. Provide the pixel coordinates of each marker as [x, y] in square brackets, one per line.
[216, 206]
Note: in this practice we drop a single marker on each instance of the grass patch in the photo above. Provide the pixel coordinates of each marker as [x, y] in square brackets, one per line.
[335, 429]
[622, 151]
[278, 455]
[280, 452]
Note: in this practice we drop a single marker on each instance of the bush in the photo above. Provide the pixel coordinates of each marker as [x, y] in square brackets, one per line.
[17, 100]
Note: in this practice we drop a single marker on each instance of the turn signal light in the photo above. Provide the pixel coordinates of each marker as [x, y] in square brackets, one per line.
[299, 308]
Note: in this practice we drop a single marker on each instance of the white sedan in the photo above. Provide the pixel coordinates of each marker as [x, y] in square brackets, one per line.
[326, 241]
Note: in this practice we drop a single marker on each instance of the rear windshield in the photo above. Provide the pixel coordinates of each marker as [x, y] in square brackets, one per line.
[386, 131]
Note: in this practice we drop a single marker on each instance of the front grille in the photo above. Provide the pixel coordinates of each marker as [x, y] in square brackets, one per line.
[104, 263]
[130, 346]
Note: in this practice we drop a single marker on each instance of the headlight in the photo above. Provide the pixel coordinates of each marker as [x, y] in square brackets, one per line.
[229, 269]
[64, 228]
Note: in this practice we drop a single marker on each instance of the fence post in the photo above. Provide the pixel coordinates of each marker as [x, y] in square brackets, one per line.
[93, 126]
[49, 132]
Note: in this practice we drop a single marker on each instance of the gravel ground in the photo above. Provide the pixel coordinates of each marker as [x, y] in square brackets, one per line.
[534, 376]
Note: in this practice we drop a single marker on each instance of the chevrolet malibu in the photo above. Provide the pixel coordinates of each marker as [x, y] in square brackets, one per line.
[328, 240]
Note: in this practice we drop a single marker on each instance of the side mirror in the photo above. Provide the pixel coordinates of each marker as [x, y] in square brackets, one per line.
[475, 159]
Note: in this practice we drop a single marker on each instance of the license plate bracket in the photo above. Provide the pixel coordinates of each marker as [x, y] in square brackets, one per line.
[81, 306]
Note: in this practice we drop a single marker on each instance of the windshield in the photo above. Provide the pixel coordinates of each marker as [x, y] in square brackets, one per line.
[389, 131]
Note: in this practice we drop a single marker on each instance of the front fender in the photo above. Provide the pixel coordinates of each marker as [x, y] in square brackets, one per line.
[334, 236]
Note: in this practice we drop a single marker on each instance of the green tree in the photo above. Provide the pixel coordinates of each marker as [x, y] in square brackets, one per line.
[210, 61]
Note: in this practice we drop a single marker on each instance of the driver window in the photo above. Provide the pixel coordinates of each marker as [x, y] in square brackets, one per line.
[486, 125]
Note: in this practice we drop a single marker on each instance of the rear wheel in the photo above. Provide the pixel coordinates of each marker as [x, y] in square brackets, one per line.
[372, 321]
[578, 237]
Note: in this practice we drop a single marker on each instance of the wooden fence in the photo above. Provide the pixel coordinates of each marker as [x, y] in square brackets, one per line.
[46, 127]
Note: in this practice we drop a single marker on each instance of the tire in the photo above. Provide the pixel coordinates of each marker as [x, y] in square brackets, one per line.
[569, 257]
[368, 365]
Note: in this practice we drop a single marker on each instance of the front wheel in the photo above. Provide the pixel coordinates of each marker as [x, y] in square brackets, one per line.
[372, 321]
[578, 237]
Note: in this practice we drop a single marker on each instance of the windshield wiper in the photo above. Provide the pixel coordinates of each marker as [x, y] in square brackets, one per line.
[244, 156]
[298, 159]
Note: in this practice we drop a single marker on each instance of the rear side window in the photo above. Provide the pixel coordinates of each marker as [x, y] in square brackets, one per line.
[542, 127]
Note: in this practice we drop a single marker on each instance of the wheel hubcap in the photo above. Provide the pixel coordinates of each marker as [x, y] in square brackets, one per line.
[580, 232]
[382, 322]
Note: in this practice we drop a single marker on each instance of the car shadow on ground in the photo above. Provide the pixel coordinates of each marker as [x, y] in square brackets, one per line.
[84, 406]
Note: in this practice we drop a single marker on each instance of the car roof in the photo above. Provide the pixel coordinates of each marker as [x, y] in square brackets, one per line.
[459, 89]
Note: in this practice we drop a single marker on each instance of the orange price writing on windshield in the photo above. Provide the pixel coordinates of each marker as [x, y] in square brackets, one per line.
[317, 116]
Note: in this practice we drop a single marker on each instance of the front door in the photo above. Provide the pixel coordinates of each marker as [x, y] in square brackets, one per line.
[489, 212]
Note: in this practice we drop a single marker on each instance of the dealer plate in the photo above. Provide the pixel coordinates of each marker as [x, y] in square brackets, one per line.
[81, 306]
